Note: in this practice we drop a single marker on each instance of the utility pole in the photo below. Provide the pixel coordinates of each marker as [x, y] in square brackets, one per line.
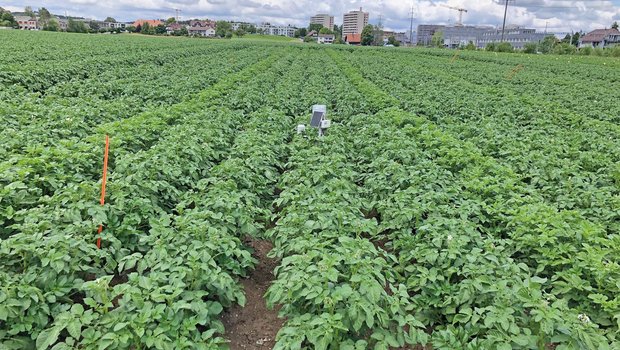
[504, 25]
[411, 26]
[177, 14]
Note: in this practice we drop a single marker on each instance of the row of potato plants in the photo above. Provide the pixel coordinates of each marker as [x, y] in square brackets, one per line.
[510, 211]
[336, 289]
[30, 176]
[557, 80]
[54, 241]
[333, 285]
[74, 108]
[576, 167]
[426, 190]
[570, 159]
[87, 58]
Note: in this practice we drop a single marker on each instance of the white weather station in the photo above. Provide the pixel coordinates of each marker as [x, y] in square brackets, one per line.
[318, 120]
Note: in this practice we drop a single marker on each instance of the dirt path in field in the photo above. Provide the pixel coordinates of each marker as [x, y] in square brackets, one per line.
[254, 326]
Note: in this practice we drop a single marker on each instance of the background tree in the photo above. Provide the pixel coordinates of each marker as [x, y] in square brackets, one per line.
[490, 47]
[437, 39]
[324, 30]
[138, 28]
[504, 47]
[338, 32]
[52, 26]
[530, 48]
[547, 44]
[109, 20]
[222, 28]
[470, 46]
[94, 25]
[44, 17]
[314, 26]
[240, 32]
[229, 35]
[301, 33]
[392, 41]
[130, 29]
[308, 39]
[147, 29]
[28, 11]
[7, 19]
[367, 35]
[160, 29]
[251, 29]
[575, 39]
[615, 25]
[567, 39]
[171, 20]
[74, 26]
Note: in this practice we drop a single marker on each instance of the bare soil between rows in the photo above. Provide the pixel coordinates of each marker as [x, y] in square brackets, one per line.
[254, 326]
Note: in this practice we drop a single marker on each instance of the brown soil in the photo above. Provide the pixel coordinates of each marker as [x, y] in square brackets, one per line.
[254, 326]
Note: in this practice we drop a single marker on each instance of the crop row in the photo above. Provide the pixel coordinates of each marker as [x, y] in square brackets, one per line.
[52, 270]
[568, 158]
[529, 229]
[74, 108]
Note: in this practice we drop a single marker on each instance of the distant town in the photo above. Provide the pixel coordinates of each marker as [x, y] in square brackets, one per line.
[355, 30]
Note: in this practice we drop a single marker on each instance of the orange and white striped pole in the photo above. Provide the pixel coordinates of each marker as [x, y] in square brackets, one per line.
[104, 183]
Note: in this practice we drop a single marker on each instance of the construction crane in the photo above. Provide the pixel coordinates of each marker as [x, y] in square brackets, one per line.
[461, 10]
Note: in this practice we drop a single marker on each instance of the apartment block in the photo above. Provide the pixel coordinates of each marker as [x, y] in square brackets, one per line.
[354, 22]
[325, 20]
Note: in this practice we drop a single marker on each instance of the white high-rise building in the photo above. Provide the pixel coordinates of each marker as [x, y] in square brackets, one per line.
[325, 20]
[354, 22]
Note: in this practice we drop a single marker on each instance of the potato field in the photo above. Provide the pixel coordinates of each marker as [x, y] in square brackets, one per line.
[460, 200]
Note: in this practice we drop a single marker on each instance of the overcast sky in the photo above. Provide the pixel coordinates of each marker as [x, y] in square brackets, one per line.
[557, 15]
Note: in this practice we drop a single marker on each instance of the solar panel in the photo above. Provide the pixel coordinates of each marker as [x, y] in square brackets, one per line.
[316, 119]
[318, 114]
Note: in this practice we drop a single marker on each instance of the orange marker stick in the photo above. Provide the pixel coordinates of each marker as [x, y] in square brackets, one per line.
[103, 183]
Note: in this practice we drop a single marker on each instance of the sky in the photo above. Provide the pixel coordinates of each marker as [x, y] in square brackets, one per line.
[555, 15]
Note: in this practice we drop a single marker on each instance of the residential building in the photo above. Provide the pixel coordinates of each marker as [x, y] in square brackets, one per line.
[237, 25]
[404, 37]
[151, 22]
[325, 20]
[354, 22]
[425, 33]
[600, 38]
[115, 25]
[27, 22]
[457, 36]
[174, 27]
[353, 39]
[269, 29]
[516, 36]
[201, 28]
[326, 38]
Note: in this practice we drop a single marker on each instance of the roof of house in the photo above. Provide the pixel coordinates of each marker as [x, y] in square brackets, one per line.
[174, 26]
[24, 18]
[201, 25]
[327, 36]
[151, 22]
[353, 38]
[598, 35]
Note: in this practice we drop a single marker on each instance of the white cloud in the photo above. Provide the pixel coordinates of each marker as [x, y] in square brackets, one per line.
[557, 15]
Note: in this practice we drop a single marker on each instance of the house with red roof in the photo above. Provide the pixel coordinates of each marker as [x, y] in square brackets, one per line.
[201, 28]
[353, 39]
[152, 22]
[600, 38]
